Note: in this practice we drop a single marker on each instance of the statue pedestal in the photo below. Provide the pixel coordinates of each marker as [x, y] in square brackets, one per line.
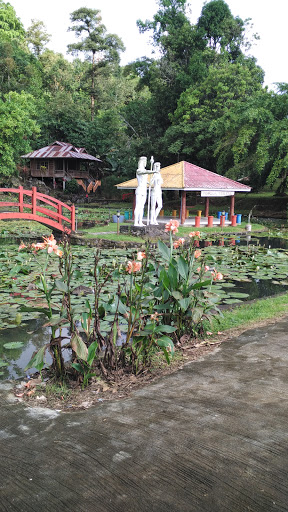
[151, 230]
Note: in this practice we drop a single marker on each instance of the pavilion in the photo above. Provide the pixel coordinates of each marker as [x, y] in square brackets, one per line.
[187, 177]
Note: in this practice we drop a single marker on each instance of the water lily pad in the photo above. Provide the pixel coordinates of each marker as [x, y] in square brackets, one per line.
[13, 345]
[231, 301]
[238, 295]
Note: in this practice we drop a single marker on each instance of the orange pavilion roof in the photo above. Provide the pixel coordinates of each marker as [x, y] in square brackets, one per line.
[186, 176]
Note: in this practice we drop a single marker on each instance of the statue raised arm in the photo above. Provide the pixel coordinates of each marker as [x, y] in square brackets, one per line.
[156, 193]
[141, 190]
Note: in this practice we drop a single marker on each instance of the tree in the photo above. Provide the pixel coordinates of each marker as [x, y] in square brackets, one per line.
[192, 133]
[10, 26]
[37, 36]
[173, 33]
[17, 127]
[242, 146]
[221, 31]
[101, 48]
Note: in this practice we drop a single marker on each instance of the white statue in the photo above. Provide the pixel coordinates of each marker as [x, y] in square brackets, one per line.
[141, 190]
[156, 193]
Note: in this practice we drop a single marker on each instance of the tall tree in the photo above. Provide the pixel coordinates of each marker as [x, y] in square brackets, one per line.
[10, 25]
[191, 133]
[101, 48]
[18, 67]
[17, 127]
[37, 37]
[221, 31]
[252, 139]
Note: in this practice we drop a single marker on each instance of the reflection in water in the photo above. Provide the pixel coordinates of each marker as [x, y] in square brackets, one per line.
[34, 336]
[259, 288]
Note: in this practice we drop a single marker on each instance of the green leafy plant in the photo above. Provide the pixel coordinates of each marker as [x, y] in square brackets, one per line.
[85, 366]
[181, 291]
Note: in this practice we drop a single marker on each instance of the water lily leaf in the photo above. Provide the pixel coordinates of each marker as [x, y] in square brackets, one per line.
[34, 309]
[238, 295]
[231, 301]
[13, 345]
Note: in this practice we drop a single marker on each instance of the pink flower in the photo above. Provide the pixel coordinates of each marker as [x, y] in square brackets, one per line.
[172, 225]
[206, 268]
[50, 244]
[133, 266]
[197, 254]
[217, 276]
[178, 242]
[21, 246]
[192, 234]
[141, 255]
[38, 246]
[58, 252]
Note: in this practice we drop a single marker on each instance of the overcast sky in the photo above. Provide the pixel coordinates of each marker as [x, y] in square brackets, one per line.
[119, 16]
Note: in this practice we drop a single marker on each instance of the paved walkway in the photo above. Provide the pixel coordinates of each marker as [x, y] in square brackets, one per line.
[213, 437]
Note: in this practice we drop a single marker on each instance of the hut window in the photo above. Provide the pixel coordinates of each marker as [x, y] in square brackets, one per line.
[59, 164]
[41, 164]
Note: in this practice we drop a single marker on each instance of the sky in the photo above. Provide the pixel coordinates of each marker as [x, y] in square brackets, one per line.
[120, 16]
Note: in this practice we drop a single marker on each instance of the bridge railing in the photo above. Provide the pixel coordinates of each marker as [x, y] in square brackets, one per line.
[60, 215]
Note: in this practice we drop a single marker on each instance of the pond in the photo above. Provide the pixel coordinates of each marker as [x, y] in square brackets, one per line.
[31, 335]
[251, 269]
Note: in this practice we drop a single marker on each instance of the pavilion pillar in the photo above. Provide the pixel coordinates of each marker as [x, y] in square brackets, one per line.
[206, 213]
[183, 207]
[134, 203]
[232, 206]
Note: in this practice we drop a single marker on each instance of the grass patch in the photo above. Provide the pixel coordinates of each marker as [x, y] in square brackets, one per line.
[56, 390]
[111, 229]
[239, 229]
[247, 314]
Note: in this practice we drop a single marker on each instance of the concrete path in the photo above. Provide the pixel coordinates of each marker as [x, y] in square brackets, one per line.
[213, 437]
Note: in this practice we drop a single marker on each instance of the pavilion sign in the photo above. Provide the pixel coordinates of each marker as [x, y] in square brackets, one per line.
[216, 193]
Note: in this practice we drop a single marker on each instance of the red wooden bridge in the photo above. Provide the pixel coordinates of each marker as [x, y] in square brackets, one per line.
[32, 205]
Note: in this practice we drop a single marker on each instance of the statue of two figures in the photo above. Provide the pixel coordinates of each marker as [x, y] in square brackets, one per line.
[154, 192]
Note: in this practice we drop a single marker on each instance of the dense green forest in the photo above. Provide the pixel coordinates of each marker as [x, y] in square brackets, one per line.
[202, 100]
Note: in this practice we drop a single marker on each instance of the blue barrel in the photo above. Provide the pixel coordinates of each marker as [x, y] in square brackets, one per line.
[226, 216]
[126, 215]
[219, 215]
[239, 217]
[115, 218]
